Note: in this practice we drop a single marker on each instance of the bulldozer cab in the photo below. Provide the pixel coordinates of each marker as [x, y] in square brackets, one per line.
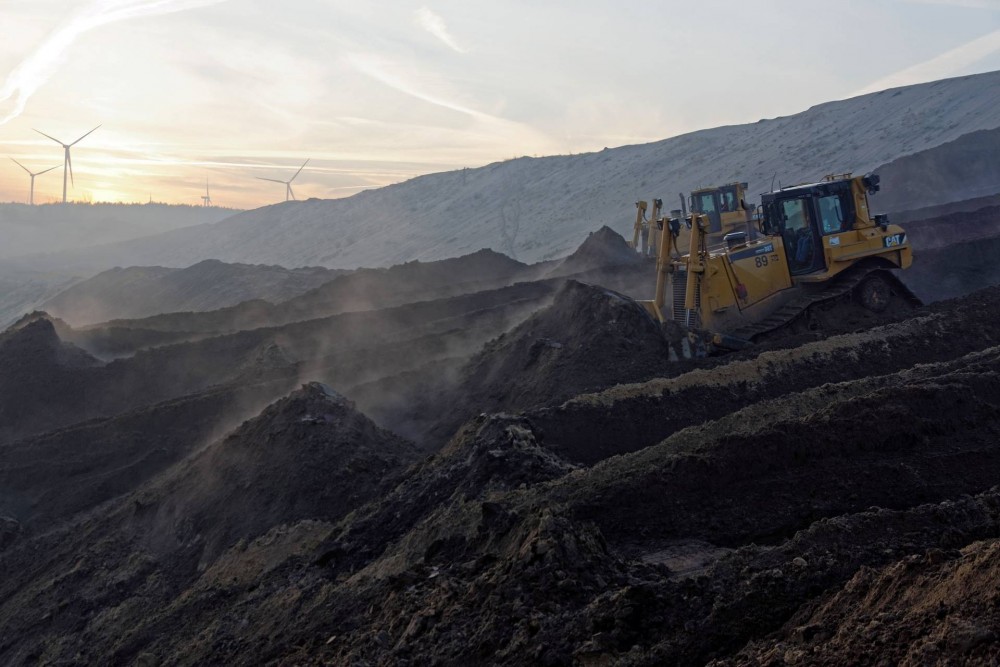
[799, 234]
[804, 215]
[722, 205]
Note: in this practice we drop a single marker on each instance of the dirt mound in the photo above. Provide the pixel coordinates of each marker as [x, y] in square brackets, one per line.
[589, 428]
[936, 605]
[368, 289]
[588, 338]
[601, 249]
[956, 269]
[310, 455]
[360, 290]
[38, 375]
[142, 291]
[951, 228]
[46, 384]
[926, 609]
[35, 338]
[47, 478]
[345, 350]
[930, 212]
[914, 431]
[530, 580]
[490, 455]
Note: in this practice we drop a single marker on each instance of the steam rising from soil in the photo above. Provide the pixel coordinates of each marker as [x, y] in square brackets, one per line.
[482, 461]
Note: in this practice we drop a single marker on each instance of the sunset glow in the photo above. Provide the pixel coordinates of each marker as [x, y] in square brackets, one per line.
[190, 91]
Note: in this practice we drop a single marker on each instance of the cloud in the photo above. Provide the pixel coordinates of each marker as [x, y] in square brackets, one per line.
[415, 83]
[32, 72]
[385, 72]
[434, 24]
[949, 63]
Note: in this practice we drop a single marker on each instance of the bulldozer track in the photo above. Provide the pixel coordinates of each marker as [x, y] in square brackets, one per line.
[844, 284]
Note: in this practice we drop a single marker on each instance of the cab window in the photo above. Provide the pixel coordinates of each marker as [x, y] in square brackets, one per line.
[727, 201]
[797, 234]
[831, 214]
[705, 203]
[793, 212]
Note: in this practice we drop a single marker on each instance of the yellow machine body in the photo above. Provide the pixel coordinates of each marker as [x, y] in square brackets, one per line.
[725, 207]
[809, 236]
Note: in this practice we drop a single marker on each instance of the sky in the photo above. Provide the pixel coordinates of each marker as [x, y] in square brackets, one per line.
[225, 92]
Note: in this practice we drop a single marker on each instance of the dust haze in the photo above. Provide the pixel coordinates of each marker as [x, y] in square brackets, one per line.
[476, 446]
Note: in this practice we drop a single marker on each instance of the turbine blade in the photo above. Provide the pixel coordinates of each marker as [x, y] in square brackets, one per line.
[290, 191]
[21, 165]
[69, 161]
[273, 180]
[81, 138]
[50, 137]
[299, 171]
[47, 170]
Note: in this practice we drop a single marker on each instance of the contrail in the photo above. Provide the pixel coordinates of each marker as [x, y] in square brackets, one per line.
[32, 73]
[399, 79]
[373, 67]
[435, 25]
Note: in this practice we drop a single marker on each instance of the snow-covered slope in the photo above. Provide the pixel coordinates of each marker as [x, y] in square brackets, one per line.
[539, 208]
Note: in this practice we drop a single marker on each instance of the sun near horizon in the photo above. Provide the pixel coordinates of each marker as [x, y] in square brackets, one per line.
[219, 94]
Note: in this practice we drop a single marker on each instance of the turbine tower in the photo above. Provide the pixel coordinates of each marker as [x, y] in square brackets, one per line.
[67, 160]
[289, 194]
[206, 200]
[31, 197]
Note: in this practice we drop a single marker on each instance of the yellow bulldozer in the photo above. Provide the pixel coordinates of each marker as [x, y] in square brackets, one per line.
[816, 244]
[724, 206]
[645, 239]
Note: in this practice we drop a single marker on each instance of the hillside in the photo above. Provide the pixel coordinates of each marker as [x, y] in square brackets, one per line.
[55, 227]
[208, 285]
[540, 208]
[23, 290]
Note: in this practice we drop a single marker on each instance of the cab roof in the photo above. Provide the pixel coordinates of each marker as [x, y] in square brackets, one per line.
[805, 187]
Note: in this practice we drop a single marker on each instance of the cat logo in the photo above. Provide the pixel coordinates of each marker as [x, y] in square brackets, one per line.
[894, 240]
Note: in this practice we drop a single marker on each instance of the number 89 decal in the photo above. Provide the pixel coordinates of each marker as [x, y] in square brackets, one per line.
[760, 260]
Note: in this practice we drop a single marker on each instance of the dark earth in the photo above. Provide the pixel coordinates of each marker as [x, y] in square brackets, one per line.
[478, 461]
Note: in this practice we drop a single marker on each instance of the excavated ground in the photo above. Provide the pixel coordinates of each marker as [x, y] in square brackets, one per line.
[603, 258]
[936, 608]
[46, 384]
[571, 498]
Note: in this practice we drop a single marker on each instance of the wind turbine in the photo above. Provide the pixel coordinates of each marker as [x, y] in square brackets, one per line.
[206, 200]
[67, 161]
[289, 194]
[31, 198]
